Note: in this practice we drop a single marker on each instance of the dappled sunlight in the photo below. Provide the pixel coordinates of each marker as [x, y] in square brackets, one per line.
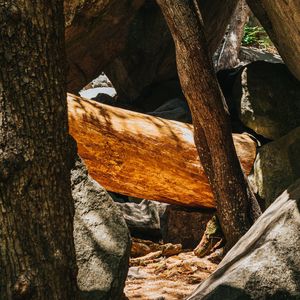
[129, 121]
[159, 154]
[114, 142]
[169, 278]
[180, 180]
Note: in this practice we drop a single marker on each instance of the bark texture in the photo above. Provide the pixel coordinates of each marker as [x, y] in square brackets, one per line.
[230, 48]
[236, 205]
[144, 156]
[37, 257]
[281, 20]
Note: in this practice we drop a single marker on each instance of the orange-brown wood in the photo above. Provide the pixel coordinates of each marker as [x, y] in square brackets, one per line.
[145, 156]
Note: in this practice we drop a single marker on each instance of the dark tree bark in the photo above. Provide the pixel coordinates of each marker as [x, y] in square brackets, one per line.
[228, 56]
[236, 205]
[37, 256]
[281, 20]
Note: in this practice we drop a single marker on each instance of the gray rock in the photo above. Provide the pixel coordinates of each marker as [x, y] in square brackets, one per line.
[101, 81]
[173, 224]
[277, 166]
[158, 94]
[175, 109]
[94, 92]
[142, 219]
[265, 263]
[102, 239]
[251, 54]
[246, 56]
[137, 273]
[148, 56]
[266, 97]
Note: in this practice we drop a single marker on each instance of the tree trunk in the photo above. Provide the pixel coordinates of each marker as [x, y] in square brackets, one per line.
[144, 156]
[37, 256]
[281, 20]
[237, 207]
[230, 48]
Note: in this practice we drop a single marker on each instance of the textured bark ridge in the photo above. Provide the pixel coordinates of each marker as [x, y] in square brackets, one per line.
[281, 20]
[144, 156]
[37, 256]
[236, 206]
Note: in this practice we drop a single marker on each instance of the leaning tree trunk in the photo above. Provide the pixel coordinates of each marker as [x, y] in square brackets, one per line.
[228, 56]
[37, 256]
[236, 205]
[281, 20]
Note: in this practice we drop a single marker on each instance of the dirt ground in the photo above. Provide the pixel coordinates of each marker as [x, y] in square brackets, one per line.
[167, 278]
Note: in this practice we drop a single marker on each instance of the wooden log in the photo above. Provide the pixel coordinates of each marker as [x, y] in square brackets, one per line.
[145, 156]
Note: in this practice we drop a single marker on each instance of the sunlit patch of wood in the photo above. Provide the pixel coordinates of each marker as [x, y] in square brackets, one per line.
[144, 156]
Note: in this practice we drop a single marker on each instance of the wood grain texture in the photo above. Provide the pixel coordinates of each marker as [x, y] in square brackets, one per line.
[144, 156]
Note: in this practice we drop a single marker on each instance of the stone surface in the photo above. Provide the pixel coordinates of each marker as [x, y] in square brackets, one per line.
[142, 218]
[96, 32]
[95, 92]
[266, 98]
[101, 239]
[158, 94]
[185, 226]
[170, 223]
[174, 109]
[149, 55]
[130, 41]
[277, 166]
[101, 81]
[265, 263]
[251, 54]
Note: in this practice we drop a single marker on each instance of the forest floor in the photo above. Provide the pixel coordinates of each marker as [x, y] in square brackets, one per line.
[167, 278]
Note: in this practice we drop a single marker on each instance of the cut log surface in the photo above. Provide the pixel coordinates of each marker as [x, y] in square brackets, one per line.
[145, 156]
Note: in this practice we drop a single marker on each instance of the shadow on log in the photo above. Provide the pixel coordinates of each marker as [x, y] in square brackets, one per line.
[144, 156]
